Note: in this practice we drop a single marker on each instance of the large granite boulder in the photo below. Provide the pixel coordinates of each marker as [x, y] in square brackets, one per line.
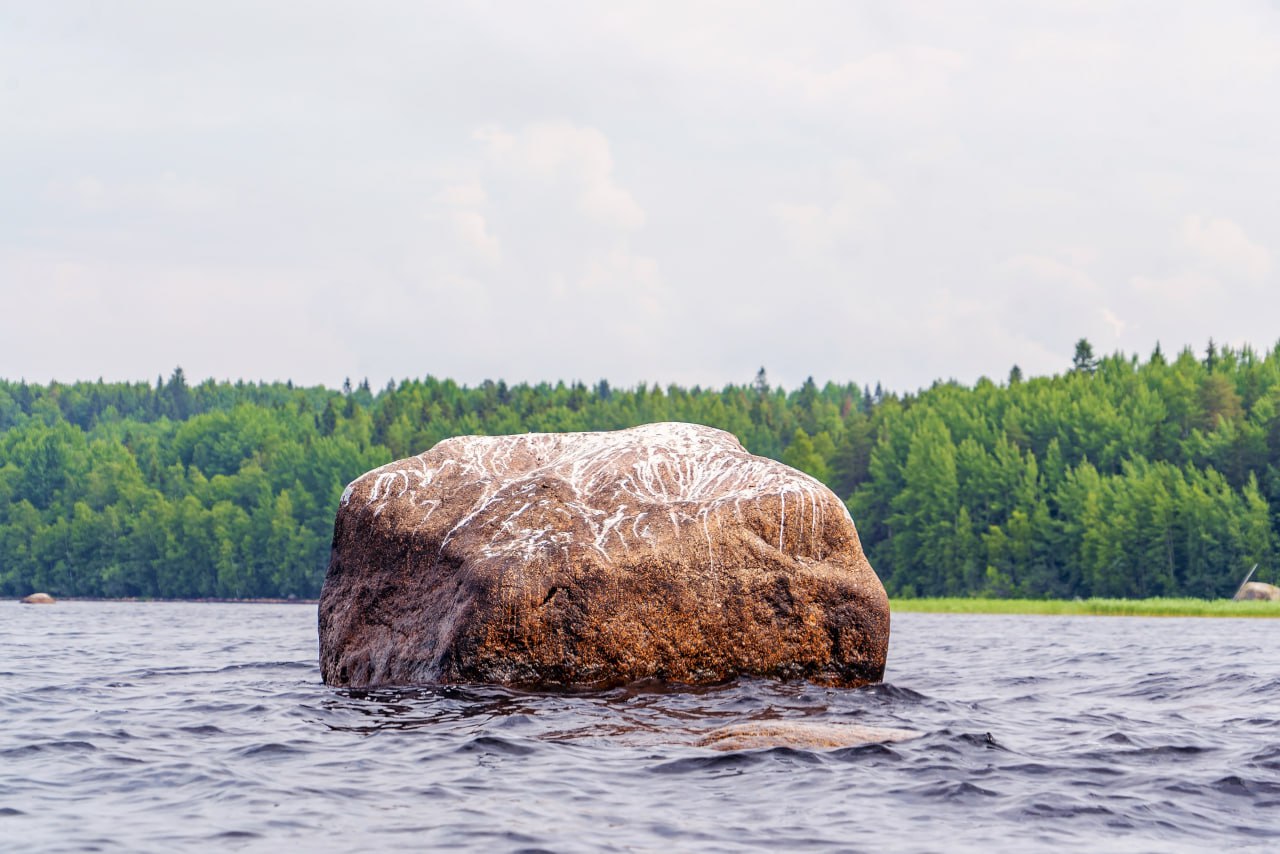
[592, 559]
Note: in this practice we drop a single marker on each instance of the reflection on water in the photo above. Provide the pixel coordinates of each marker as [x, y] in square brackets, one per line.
[188, 726]
[746, 714]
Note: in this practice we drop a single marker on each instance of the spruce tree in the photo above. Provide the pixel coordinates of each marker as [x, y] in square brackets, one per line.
[1084, 361]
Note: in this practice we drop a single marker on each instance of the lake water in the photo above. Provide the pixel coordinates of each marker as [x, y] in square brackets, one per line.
[183, 726]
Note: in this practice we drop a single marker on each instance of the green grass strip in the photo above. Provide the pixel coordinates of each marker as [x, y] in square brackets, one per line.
[1095, 607]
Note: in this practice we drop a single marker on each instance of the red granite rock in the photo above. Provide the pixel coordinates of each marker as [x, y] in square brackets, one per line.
[591, 559]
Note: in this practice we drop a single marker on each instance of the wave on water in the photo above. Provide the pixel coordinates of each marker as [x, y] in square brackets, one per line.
[186, 726]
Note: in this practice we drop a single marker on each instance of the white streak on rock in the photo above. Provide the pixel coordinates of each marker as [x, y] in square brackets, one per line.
[683, 471]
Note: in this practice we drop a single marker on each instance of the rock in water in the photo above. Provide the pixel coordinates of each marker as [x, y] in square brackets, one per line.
[806, 735]
[591, 559]
[1258, 590]
[38, 599]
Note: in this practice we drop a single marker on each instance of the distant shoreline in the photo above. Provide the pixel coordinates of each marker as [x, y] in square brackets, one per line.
[210, 600]
[933, 605]
[1090, 607]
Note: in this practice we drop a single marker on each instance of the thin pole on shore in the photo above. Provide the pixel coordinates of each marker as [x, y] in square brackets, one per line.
[1240, 589]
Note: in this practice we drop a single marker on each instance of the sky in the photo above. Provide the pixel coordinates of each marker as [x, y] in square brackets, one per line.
[651, 192]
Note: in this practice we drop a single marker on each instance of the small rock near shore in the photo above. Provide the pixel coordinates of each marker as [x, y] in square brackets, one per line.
[38, 599]
[1256, 590]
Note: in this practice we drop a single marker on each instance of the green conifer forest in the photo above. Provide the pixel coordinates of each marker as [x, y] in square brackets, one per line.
[1116, 478]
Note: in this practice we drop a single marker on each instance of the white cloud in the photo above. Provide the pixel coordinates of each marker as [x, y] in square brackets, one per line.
[468, 222]
[86, 194]
[474, 233]
[162, 315]
[1225, 245]
[813, 229]
[880, 80]
[1185, 289]
[1051, 270]
[1113, 321]
[619, 269]
[164, 194]
[563, 151]
[470, 195]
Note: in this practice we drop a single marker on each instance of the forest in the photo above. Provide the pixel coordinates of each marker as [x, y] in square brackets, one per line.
[1117, 477]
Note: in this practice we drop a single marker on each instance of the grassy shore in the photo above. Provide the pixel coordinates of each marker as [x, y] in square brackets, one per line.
[1094, 607]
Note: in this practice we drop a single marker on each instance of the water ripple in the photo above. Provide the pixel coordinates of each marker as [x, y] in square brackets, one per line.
[177, 727]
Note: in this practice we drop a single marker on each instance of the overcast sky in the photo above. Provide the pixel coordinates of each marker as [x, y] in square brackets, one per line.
[670, 192]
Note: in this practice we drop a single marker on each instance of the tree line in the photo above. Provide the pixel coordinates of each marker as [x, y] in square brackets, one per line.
[1117, 477]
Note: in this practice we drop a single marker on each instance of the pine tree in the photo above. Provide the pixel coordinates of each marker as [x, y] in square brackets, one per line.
[329, 418]
[761, 384]
[1084, 361]
[177, 395]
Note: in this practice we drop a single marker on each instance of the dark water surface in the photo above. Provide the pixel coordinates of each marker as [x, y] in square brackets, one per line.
[170, 727]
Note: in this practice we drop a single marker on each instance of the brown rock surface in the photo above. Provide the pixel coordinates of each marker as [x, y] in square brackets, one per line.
[588, 559]
[1258, 590]
[38, 599]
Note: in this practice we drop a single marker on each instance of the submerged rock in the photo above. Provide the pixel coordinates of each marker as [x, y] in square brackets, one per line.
[38, 599]
[806, 735]
[1257, 590]
[590, 559]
